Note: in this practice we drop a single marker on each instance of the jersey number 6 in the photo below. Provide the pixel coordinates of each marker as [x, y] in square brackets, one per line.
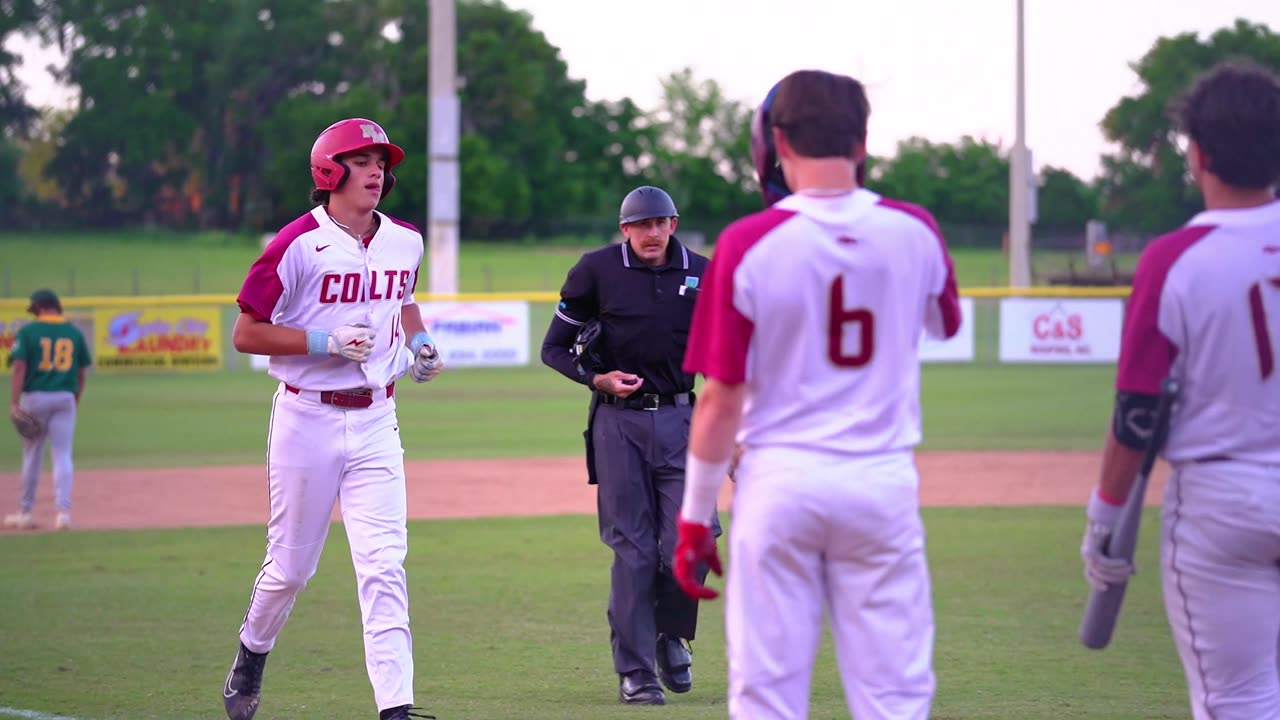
[837, 320]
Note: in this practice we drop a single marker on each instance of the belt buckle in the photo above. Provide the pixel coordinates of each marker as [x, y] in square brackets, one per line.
[647, 399]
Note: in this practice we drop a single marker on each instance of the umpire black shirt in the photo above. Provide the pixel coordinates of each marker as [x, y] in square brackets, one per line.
[644, 315]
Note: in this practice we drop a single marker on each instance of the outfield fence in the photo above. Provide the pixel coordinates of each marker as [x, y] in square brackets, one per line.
[191, 333]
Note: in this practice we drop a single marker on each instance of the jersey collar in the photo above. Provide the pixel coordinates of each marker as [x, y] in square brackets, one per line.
[1239, 217]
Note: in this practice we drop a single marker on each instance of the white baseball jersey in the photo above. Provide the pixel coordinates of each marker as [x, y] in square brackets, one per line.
[818, 304]
[1205, 307]
[315, 276]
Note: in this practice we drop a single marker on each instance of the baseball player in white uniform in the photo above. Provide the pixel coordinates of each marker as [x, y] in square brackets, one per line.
[807, 333]
[331, 302]
[1205, 308]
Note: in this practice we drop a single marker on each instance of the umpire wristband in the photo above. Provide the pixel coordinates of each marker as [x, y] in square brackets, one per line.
[702, 481]
[317, 342]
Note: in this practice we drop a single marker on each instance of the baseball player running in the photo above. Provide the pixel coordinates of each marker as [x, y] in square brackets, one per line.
[331, 302]
[807, 335]
[50, 358]
[1205, 308]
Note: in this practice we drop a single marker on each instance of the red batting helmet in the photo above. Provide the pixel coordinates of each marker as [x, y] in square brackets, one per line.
[347, 136]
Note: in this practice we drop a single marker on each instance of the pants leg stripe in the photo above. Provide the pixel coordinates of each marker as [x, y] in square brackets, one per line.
[262, 571]
[1182, 595]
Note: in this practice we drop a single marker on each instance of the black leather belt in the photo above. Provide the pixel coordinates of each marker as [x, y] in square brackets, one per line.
[647, 401]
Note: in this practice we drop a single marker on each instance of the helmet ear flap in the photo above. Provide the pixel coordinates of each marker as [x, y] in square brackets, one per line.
[773, 183]
[344, 172]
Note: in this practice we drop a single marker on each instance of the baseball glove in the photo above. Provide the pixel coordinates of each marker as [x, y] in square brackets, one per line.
[25, 423]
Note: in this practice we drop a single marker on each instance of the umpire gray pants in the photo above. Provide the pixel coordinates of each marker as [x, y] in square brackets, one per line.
[639, 460]
[56, 412]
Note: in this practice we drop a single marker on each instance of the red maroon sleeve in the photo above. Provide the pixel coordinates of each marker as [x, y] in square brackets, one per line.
[720, 336]
[949, 298]
[1146, 353]
[262, 286]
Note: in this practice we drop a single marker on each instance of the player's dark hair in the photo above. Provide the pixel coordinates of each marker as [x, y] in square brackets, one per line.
[1233, 114]
[821, 114]
[320, 197]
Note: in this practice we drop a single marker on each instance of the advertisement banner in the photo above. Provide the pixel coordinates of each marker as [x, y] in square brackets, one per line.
[158, 338]
[479, 334]
[12, 320]
[955, 349]
[1054, 330]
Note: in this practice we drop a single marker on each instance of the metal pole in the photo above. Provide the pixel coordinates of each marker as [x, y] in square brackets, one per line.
[1019, 225]
[442, 148]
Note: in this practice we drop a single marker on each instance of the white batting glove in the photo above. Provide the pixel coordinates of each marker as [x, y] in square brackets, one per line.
[1100, 570]
[353, 342]
[427, 362]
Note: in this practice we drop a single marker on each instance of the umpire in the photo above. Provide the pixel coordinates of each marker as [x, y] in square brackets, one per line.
[621, 329]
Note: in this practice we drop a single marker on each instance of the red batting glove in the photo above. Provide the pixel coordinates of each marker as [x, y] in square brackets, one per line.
[695, 544]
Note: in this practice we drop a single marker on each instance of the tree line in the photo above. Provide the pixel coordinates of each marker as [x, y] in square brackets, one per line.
[200, 115]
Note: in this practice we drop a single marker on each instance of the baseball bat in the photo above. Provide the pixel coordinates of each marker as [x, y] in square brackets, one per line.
[1103, 608]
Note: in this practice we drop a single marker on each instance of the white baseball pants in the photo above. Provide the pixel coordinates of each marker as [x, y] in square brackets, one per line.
[814, 532]
[318, 454]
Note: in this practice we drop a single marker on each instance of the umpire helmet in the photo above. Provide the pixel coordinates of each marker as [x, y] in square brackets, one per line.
[646, 202]
[347, 136]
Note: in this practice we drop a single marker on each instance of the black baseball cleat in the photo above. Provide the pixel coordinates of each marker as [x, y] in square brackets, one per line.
[674, 662]
[640, 687]
[403, 712]
[242, 691]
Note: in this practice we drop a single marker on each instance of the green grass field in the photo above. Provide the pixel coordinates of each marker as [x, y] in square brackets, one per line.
[221, 418]
[166, 263]
[509, 624]
[508, 614]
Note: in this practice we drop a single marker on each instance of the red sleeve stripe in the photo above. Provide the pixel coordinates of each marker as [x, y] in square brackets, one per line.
[1147, 354]
[262, 288]
[949, 300]
[720, 337]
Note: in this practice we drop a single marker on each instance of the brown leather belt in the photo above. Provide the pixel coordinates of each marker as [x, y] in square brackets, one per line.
[357, 398]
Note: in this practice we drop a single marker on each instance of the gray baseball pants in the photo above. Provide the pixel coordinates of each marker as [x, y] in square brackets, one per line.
[639, 458]
[56, 412]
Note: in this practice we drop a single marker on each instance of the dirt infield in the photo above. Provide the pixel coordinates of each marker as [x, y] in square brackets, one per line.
[231, 495]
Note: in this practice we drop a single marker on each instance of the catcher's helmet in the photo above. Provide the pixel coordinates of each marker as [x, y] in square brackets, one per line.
[646, 202]
[347, 136]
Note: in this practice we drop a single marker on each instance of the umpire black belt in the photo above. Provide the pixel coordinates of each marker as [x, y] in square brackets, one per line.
[647, 401]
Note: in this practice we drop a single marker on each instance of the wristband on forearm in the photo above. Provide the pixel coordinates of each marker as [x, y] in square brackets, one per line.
[419, 339]
[1102, 510]
[702, 480]
[317, 342]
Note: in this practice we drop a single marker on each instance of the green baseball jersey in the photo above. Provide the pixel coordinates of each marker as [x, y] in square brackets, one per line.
[55, 351]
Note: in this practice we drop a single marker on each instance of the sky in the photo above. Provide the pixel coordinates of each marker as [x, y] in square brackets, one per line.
[939, 69]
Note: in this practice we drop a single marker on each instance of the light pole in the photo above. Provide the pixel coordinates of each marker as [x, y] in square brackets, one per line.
[1019, 177]
[442, 149]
